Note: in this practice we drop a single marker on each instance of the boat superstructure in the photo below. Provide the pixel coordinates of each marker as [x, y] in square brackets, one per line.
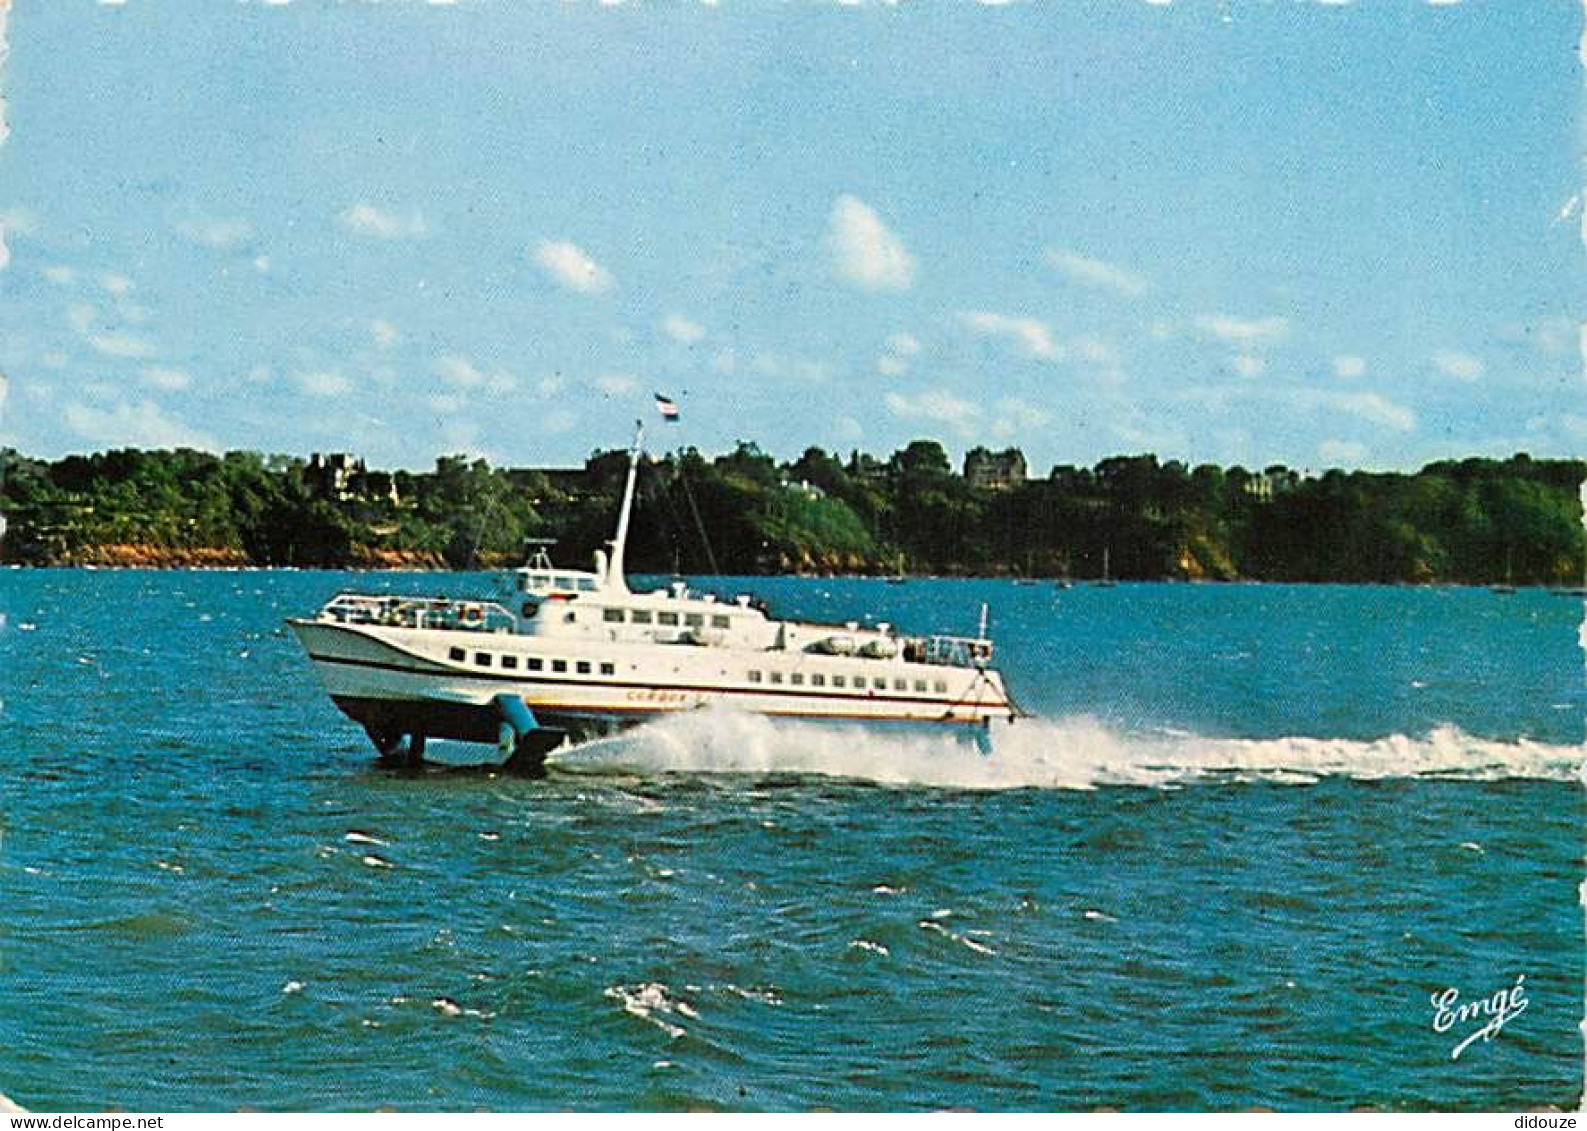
[573, 653]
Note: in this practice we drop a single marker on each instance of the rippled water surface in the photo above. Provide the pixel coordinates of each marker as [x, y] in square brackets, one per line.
[1249, 835]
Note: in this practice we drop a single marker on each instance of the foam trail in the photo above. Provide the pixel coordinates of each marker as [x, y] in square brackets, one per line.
[1071, 753]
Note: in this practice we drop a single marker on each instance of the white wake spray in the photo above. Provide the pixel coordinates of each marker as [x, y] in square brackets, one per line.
[1072, 753]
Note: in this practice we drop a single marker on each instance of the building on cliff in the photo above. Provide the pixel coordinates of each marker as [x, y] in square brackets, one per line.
[994, 471]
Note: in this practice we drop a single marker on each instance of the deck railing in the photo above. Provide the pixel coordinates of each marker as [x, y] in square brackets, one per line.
[418, 612]
[948, 651]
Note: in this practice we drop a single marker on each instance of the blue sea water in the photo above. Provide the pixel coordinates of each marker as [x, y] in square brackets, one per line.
[1250, 833]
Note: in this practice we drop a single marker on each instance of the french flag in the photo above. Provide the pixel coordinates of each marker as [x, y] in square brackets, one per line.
[668, 410]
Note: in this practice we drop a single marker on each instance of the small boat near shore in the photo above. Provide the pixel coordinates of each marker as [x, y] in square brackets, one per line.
[571, 654]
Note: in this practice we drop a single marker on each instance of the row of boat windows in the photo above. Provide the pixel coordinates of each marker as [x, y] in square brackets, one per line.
[533, 663]
[644, 616]
[796, 679]
[560, 581]
[877, 683]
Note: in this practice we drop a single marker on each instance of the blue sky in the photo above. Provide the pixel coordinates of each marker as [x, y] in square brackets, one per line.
[1309, 233]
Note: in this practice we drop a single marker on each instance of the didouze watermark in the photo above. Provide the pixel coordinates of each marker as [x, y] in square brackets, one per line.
[1494, 1012]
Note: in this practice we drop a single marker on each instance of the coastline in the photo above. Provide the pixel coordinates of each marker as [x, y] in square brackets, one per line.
[205, 563]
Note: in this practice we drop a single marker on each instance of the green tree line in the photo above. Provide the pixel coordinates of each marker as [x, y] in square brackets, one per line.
[1469, 521]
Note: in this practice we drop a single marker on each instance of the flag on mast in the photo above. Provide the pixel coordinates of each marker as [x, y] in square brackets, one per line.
[668, 410]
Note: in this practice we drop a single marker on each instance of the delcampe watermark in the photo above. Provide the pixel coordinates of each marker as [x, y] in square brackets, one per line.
[1494, 1012]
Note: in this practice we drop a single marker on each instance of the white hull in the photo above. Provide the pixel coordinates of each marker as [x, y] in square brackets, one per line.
[407, 673]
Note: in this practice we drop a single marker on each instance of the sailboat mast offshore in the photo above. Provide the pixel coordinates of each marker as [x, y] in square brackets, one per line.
[570, 654]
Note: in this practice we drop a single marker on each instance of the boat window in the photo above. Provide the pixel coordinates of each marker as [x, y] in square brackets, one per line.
[776, 677]
[640, 616]
[458, 654]
[666, 618]
[797, 677]
[720, 621]
[586, 585]
[615, 616]
[559, 665]
[583, 667]
[561, 582]
[940, 687]
[535, 663]
[818, 680]
[570, 617]
[694, 620]
[509, 661]
[608, 669]
[920, 685]
[482, 659]
[754, 677]
[839, 681]
[879, 683]
[900, 685]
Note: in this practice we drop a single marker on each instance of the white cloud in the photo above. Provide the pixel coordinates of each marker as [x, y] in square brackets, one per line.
[461, 434]
[551, 386]
[559, 421]
[19, 221]
[141, 425]
[459, 371]
[167, 378]
[864, 251]
[1097, 351]
[366, 219]
[444, 403]
[616, 385]
[793, 367]
[683, 331]
[725, 362]
[385, 333]
[1244, 331]
[5, 249]
[82, 317]
[1373, 407]
[114, 284]
[901, 347]
[1348, 366]
[1013, 417]
[322, 383]
[937, 405]
[122, 345]
[60, 276]
[1460, 366]
[848, 429]
[462, 373]
[1549, 335]
[569, 266]
[219, 235]
[1032, 337]
[904, 345]
[1097, 273]
[1342, 451]
[1248, 365]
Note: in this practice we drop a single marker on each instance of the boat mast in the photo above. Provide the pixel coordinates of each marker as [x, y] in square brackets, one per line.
[614, 568]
